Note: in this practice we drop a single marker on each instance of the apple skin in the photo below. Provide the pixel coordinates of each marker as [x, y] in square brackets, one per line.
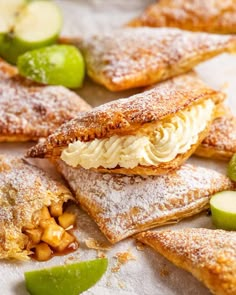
[71, 279]
[12, 47]
[221, 218]
[53, 65]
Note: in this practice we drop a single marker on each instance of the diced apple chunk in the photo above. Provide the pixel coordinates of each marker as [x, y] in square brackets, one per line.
[67, 239]
[44, 213]
[67, 219]
[42, 252]
[56, 209]
[46, 222]
[34, 235]
[52, 235]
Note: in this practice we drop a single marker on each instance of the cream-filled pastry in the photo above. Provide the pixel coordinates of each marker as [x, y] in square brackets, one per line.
[148, 133]
[163, 144]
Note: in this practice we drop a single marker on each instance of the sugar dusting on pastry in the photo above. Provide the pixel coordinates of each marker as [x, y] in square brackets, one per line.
[169, 138]
[210, 255]
[122, 205]
[33, 110]
[134, 57]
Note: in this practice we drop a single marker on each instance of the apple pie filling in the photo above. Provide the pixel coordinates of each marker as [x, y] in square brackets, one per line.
[50, 235]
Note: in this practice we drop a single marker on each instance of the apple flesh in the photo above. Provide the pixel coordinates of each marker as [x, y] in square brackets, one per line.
[28, 26]
[71, 279]
[223, 209]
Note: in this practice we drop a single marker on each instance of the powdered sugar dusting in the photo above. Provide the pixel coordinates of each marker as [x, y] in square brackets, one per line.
[222, 134]
[24, 189]
[31, 109]
[123, 205]
[202, 249]
[134, 57]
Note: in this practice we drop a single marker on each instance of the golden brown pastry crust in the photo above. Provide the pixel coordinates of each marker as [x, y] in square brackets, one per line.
[126, 116]
[221, 140]
[135, 57]
[123, 205]
[29, 111]
[24, 189]
[215, 16]
[210, 255]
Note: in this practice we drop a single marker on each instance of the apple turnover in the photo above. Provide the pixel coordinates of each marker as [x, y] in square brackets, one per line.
[32, 217]
[124, 205]
[214, 16]
[149, 133]
[221, 140]
[29, 111]
[135, 57]
[210, 255]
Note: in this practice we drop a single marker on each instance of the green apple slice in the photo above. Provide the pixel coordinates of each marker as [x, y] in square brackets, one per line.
[71, 279]
[31, 26]
[223, 209]
[8, 12]
[232, 168]
[53, 65]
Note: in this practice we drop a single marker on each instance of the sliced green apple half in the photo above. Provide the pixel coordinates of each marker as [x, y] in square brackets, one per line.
[29, 26]
[71, 279]
[223, 209]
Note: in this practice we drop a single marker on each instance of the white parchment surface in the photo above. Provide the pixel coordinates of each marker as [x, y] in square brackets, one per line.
[149, 273]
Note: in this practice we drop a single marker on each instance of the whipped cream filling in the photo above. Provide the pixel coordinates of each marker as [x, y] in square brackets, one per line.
[169, 138]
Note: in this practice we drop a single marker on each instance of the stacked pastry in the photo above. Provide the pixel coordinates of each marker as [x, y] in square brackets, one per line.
[107, 153]
[125, 160]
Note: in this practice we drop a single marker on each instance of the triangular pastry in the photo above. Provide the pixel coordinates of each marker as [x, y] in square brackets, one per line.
[26, 193]
[221, 140]
[29, 111]
[135, 57]
[150, 133]
[124, 205]
[210, 255]
[213, 16]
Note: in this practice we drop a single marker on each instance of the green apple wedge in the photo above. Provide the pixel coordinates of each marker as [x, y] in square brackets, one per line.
[231, 171]
[53, 65]
[223, 210]
[31, 25]
[71, 279]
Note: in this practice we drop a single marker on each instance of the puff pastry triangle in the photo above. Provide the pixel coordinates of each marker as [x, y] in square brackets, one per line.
[221, 140]
[29, 111]
[150, 133]
[135, 57]
[210, 255]
[124, 205]
[25, 190]
[213, 16]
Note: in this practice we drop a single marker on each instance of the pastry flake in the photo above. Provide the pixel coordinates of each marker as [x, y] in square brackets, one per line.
[214, 16]
[29, 111]
[124, 205]
[221, 140]
[29, 203]
[135, 57]
[210, 255]
[142, 134]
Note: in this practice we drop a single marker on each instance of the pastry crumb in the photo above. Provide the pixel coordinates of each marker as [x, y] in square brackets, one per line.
[122, 258]
[140, 246]
[164, 272]
[121, 284]
[97, 245]
[101, 254]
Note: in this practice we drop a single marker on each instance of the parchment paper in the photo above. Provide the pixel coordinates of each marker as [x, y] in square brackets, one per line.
[149, 273]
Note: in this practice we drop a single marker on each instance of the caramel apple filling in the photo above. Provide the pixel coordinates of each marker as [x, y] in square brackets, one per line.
[51, 234]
